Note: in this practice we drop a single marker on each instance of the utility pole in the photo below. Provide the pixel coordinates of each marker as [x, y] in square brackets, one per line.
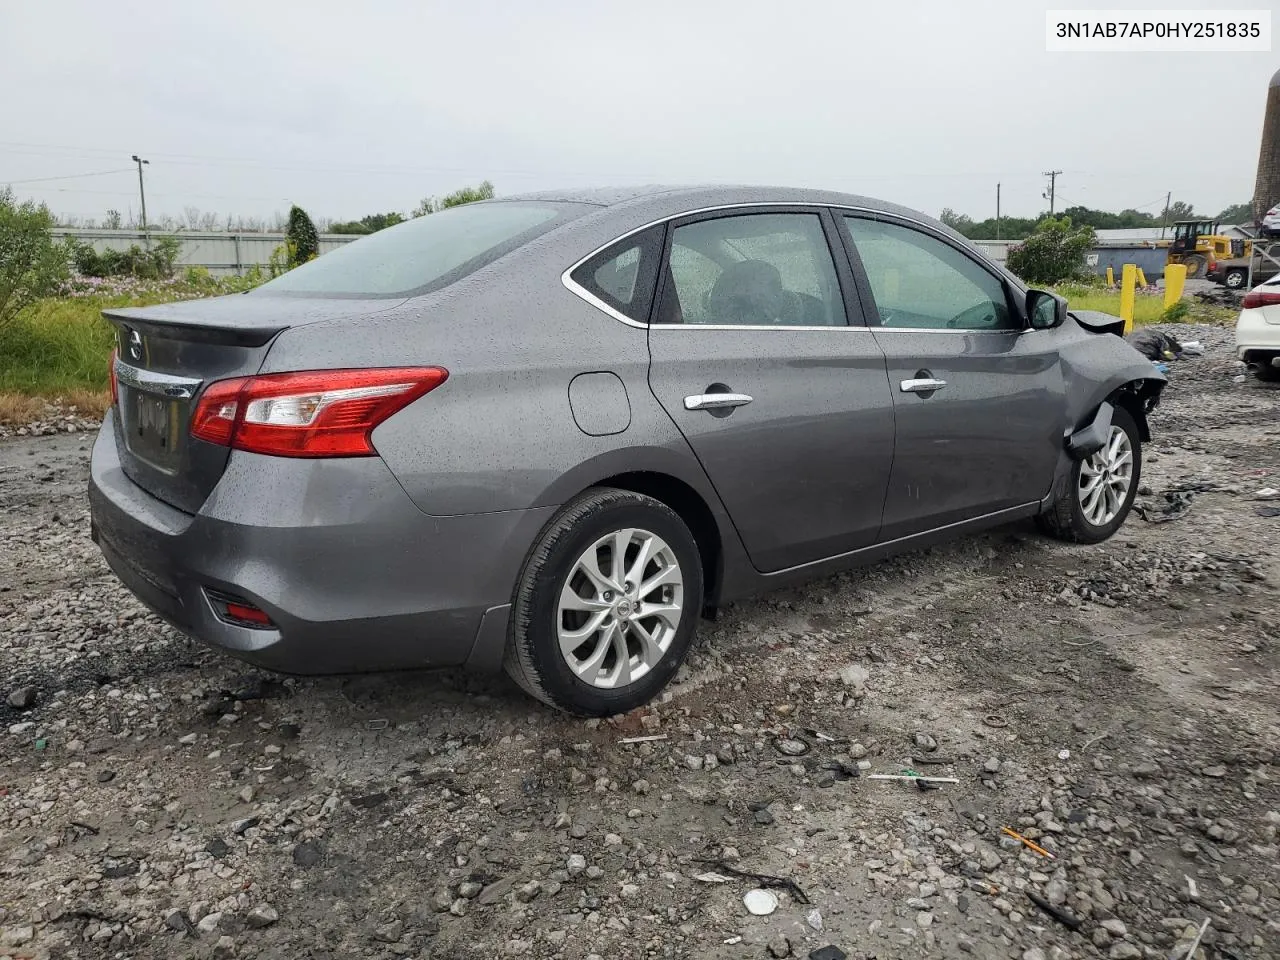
[997, 211]
[1164, 219]
[1053, 180]
[143, 194]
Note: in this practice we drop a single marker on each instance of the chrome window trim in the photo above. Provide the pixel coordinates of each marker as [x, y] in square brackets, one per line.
[842, 328]
[566, 278]
[952, 330]
[181, 388]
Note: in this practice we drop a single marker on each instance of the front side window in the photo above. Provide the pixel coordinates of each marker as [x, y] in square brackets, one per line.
[771, 269]
[424, 253]
[920, 282]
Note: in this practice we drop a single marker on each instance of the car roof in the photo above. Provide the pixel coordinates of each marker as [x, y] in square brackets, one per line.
[663, 201]
[699, 195]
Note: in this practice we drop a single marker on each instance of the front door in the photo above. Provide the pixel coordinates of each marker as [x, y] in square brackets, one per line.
[760, 356]
[979, 398]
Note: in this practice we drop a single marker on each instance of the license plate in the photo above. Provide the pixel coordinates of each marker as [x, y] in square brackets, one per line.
[153, 429]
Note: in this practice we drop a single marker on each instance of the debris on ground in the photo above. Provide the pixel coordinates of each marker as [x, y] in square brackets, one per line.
[760, 902]
[160, 800]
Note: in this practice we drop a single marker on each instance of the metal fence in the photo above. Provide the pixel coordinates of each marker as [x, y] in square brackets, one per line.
[218, 252]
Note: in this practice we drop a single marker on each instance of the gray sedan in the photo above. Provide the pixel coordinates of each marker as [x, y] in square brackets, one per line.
[548, 433]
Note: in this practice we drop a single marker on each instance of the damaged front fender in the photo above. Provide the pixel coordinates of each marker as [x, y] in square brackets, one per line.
[1089, 439]
[1099, 369]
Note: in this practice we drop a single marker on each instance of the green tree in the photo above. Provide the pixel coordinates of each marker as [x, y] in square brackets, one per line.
[1238, 213]
[348, 227]
[380, 221]
[371, 223]
[956, 221]
[483, 191]
[32, 264]
[1055, 252]
[468, 195]
[1180, 210]
[1010, 228]
[1105, 220]
[304, 242]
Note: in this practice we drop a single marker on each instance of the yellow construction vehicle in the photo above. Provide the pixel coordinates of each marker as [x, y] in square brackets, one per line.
[1198, 244]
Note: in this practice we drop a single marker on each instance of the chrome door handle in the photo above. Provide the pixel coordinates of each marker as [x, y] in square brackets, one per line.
[923, 385]
[715, 401]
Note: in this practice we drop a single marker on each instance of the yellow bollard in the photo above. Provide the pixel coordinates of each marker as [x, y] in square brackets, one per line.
[1111, 277]
[1142, 278]
[1175, 277]
[1128, 278]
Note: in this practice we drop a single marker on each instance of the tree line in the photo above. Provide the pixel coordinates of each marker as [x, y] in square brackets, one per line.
[193, 218]
[1018, 228]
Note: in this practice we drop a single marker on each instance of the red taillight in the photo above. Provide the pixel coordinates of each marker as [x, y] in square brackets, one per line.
[247, 614]
[215, 416]
[111, 374]
[1268, 296]
[316, 413]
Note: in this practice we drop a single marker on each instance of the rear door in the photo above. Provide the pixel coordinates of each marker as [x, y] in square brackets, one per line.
[979, 399]
[760, 356]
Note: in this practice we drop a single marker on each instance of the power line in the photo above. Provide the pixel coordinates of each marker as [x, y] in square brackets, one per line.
[70, 176]
[187, 159]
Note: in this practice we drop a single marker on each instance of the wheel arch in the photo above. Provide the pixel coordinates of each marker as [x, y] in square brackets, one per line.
[1138, 397]
[693, 509]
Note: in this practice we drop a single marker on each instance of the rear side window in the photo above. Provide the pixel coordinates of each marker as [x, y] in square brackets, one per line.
[772, 269]
[425, 253]
[623, 276]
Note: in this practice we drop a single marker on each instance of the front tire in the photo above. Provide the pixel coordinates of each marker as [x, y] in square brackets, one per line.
[606, 605]
[1196, 266]
[1102, 487]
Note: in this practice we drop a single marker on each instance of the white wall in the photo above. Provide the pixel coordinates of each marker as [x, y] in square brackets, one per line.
[219, 253]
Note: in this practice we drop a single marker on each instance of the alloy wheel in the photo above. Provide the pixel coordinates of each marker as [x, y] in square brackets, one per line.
[620, 608]
[1105, 479]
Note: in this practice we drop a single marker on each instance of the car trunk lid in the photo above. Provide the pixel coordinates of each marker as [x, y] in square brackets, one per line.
[166, 355]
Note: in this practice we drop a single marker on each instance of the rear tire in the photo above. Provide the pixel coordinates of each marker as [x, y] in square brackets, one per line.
[1196, 267]
[1235, 279]
[1264, 371]
[606, 605]
[1101, 489]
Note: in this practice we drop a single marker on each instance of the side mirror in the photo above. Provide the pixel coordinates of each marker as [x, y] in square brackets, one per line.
[1045, 310]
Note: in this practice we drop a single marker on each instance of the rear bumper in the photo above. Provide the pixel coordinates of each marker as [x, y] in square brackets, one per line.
[353, 576]
[1254, 334]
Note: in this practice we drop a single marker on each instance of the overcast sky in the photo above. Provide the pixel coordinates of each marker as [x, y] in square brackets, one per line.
[356, 107]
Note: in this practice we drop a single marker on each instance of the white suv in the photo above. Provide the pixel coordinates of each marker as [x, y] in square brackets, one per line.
[1258, 330]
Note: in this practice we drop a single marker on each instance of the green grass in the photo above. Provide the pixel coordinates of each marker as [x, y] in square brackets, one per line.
[56, 346]
[62, 344]
[1147, 307]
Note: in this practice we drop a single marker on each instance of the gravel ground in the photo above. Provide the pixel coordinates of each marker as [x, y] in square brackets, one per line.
[1116, 705]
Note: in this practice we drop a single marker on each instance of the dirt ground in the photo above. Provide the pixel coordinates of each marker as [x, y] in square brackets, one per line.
[1116, 705]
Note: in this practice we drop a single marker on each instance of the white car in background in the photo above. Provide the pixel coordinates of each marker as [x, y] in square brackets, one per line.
[1271, 222]
[1258, 330]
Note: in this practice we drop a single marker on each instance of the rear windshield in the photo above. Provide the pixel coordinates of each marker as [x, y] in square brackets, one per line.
[424, 253]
